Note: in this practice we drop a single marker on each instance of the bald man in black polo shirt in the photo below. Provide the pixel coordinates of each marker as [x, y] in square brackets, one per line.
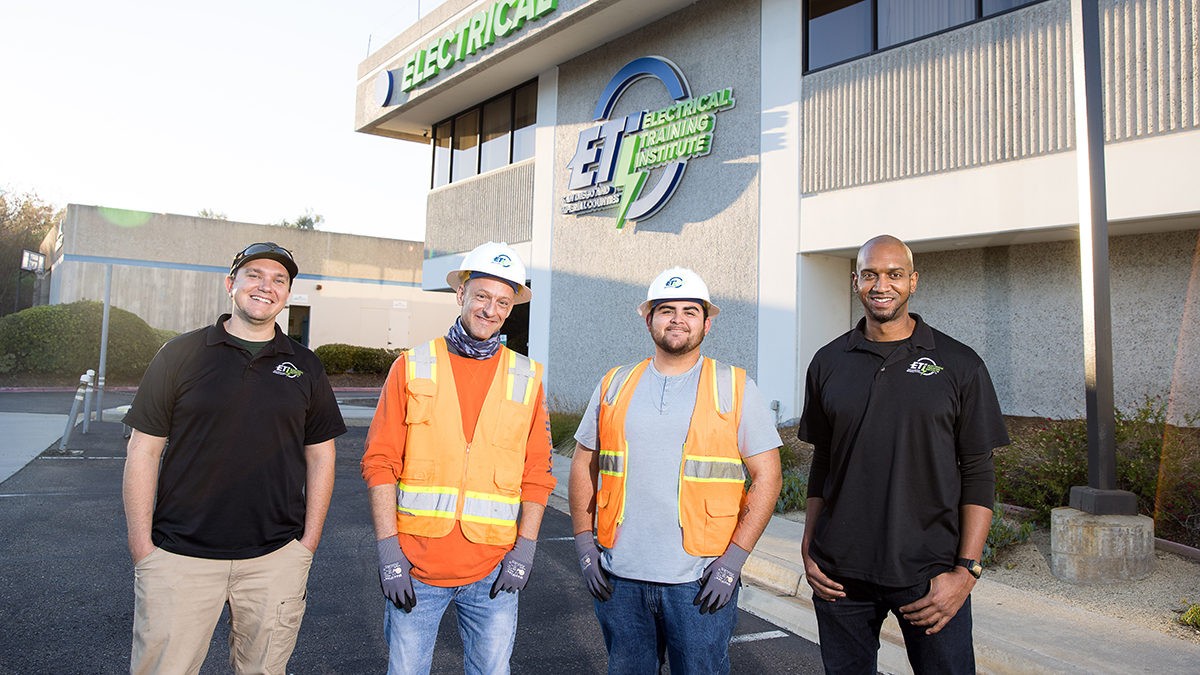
[232, 511]
[903, 420]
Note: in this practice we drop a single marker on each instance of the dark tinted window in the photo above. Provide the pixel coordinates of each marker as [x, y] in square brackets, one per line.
[497, 122]
[837, 30]
[441, 154]
[840, 30]
[486, 137]
[524, 121]
[904, 20]
[464, 161]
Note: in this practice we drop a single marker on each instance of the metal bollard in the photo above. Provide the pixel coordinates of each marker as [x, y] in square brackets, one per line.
[87, 400]
[100, 398]
[66, 437]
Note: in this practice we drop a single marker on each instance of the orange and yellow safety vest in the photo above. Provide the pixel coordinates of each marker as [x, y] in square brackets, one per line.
[446, 479]
[711, 475]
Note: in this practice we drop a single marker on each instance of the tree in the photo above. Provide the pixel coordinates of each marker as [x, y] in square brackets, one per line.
[24, 221]
[212, 214]
[308, 221]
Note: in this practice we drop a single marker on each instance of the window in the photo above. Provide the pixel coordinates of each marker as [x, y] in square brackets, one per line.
[441, 154]
[524, 121]
[497, 123]
[904, 20]
[840, 30]
[464, 161]
[485, 137]
[837, 31]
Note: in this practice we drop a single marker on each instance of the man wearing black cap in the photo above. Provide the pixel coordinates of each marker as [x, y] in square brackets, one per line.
[232, 511]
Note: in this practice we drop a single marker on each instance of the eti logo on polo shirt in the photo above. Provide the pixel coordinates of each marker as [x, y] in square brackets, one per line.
[925, 367]
[288, 370]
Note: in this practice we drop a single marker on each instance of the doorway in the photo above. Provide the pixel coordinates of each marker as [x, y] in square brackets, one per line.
[298, 323]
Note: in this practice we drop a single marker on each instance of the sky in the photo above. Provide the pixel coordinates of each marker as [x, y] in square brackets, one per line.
[244, 108]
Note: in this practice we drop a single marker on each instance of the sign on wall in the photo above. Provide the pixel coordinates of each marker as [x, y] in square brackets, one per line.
[614, 160]
[494, 22]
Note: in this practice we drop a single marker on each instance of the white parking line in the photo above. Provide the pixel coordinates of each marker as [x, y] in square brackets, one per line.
[755, 637]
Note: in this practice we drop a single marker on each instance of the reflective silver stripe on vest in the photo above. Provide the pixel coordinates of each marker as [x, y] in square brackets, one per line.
[723, 379]
[430, 502]
[612, 463]
[713, 469]
[618, 381]
[520, 376]
[422, 361]
[492, 509]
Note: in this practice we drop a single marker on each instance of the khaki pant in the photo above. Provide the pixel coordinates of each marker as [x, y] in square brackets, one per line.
[178, 600]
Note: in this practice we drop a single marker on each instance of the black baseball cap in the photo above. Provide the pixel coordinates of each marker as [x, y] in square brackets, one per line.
[267, 249]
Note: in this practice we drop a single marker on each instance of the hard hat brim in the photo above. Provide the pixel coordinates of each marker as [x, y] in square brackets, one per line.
[644, 309]
[459, 277]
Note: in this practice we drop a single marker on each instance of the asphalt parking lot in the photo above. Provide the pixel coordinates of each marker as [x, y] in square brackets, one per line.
[66, 595]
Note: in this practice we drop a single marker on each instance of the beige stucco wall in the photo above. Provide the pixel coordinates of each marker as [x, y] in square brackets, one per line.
[169, 270]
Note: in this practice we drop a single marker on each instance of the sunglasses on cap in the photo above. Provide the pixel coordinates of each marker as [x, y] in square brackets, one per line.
[269, 250]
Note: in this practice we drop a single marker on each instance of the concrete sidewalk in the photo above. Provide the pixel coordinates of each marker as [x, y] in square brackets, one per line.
[1015, 631]
[25, 436]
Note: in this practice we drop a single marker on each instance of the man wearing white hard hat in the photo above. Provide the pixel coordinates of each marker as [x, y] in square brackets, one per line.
[658, 478]
[457, 466]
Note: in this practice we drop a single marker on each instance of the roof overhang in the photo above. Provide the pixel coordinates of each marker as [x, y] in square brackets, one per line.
[574, 28]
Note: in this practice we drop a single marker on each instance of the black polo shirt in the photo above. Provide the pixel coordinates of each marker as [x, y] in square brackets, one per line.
[903, 436]
[231, 484]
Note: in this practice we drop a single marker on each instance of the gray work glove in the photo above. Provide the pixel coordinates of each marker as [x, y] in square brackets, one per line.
[589, 564]
[394, 577]
[515, 568]
[720, 579]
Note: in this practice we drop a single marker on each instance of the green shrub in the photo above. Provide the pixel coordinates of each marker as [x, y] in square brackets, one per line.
[164, 335]
[1158, 462]
[1039, 470]
[376, 360]
[341, 358]
[65, 340]
[1191, 616]
[1003, 532]
[793, 495]
[563, 426]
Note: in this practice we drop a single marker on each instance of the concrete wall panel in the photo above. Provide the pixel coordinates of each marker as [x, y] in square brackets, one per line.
[1019, 307]
[495, 206]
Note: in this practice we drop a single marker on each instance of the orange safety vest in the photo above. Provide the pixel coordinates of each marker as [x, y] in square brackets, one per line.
[712, 478]
[446, 479]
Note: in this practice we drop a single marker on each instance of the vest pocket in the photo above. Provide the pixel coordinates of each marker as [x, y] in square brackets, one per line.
[420, 400]
[720, 521]
[512, 425]
[507, 477]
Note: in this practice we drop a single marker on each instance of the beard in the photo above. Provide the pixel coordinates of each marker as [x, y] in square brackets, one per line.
[885, 315]
[671, 344]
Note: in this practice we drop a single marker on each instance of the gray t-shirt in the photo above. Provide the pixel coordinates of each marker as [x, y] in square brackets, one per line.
[649, 544]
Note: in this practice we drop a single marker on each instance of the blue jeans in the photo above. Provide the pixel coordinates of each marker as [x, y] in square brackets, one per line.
[643, 621]
[849, 630]
[487, 627]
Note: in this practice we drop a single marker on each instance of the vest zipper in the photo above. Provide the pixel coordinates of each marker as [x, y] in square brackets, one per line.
[462, 485]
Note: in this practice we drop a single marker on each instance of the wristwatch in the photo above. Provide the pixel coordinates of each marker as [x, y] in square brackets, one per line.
[973, 566]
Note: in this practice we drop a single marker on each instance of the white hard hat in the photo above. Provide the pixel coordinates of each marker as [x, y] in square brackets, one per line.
[677, 283]
[495, 260]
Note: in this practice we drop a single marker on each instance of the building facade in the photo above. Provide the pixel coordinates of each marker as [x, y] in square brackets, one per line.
[761, 142]
[169, 270]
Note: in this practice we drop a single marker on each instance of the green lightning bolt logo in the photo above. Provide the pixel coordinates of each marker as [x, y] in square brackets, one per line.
[626, 178]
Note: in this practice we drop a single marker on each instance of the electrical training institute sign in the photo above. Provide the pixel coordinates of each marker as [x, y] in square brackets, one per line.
[614, 159]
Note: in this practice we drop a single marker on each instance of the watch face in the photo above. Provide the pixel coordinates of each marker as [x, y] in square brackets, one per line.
[973, 566]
